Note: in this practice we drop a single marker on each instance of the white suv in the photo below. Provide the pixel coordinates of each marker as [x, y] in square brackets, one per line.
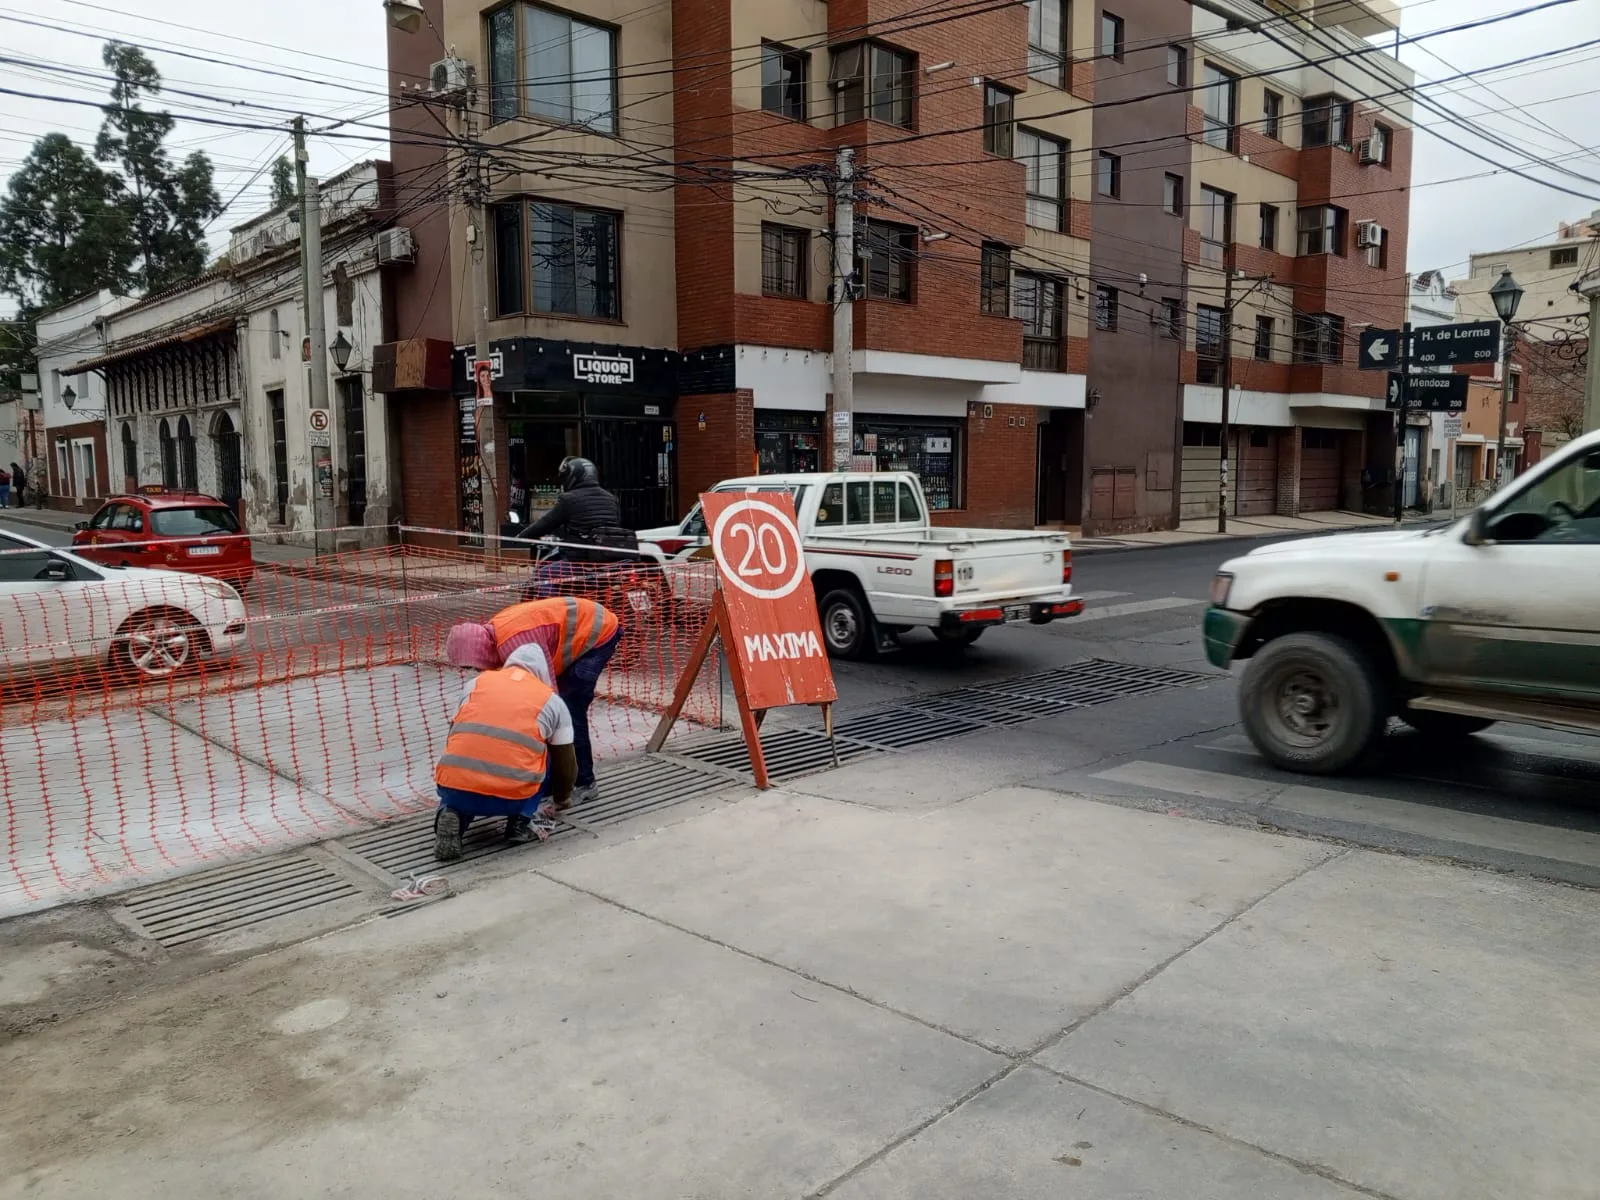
[58, 610]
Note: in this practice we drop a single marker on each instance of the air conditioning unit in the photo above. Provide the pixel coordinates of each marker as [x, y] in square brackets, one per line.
[1368, 152]
[396, 247]
[1368, 233]
[450, 77]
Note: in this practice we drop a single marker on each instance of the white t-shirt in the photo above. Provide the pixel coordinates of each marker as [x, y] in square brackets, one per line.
[555, 722]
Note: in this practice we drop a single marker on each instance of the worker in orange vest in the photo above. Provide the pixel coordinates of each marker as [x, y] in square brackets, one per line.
[509, 749]
[578, 636]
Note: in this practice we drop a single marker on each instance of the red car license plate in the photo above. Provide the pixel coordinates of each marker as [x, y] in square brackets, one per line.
[203, 551]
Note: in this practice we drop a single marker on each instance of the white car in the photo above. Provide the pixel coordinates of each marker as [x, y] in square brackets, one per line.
[58, 610]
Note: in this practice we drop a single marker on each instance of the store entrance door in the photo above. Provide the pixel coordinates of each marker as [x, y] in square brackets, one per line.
[1061, 469]
[634, 457]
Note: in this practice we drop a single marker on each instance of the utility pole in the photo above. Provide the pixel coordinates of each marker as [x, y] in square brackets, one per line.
[317, 335]
[1400, 424]
[1226, 379]
[844, 330]
[1505, 404]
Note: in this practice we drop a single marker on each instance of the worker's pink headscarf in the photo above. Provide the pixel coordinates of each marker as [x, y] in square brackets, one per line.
[472, 645]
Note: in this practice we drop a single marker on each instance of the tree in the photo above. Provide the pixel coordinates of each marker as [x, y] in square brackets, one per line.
[167, 207]
[63, 231]
[285, 187]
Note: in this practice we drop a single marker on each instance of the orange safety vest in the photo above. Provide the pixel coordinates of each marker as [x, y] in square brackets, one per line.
[580, 626]
[495, 747]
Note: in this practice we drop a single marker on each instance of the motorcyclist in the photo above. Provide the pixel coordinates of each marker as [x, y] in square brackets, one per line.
[583, 506]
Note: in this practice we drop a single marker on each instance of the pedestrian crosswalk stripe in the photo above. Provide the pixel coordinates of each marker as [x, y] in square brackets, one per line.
[1395, 816]
[1131, 608]
[1096, 597]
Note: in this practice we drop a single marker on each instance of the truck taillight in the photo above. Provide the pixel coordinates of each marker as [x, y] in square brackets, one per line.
[944, 578]
[1066, 566]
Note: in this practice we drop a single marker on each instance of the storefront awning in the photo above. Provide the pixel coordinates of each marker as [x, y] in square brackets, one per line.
[126, 353]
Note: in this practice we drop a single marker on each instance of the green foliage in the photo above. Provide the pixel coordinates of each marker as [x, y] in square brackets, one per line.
[285, 187]
[63, 230]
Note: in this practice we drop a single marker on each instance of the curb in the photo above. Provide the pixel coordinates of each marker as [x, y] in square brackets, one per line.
[1234, 538]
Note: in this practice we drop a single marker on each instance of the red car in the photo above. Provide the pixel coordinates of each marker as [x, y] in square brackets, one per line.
[173, 531]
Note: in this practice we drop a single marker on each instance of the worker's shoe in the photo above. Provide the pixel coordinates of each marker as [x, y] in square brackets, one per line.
[585, 793]
[522, 830]
[447, 835]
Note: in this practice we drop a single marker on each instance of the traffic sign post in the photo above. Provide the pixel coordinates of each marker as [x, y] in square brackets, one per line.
[765, 613]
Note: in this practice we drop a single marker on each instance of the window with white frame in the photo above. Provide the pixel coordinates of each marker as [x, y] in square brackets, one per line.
[1044, 166]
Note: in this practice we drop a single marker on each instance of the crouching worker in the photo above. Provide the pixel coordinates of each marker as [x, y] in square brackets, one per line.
[578, 637]
[509, 751]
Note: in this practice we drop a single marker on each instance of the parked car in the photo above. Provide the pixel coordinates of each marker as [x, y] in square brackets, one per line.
[881, 568]
[1492, 618]
[177, 531]
[58, 610]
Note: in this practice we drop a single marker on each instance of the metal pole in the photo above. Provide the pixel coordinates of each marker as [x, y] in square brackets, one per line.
[477, 231]
[1226, 378]
[1400, 423]
[316, 331]
[1591, 399]
[1505, 403]
[844, 330]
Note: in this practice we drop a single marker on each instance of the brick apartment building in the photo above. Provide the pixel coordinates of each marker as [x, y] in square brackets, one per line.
[1048, 194]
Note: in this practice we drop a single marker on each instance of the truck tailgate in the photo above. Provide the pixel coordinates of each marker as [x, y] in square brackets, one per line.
[1001, 571]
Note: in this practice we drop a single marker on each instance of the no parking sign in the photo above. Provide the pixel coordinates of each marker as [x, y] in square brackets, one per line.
[773, 628]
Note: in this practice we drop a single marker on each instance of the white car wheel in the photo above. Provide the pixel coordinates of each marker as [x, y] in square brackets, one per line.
[157, 645]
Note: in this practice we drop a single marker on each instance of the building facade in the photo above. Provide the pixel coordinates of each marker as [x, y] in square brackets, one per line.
[73, 407]
[1048, 198]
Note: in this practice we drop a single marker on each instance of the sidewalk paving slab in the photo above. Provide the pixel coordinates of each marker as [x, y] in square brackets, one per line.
[520, 1040]
[1421, 1030]
[1034, 1136]
[1002, 919]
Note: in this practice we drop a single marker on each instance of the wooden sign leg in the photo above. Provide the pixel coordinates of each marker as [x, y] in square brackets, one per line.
[827, 728]
[680, 694]
[748, 718]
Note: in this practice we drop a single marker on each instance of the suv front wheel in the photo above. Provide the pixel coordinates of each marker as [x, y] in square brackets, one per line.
[1313, 702]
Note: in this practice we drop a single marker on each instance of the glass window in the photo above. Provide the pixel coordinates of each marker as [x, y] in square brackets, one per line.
[1036, 301]
[831, 510]
[891, 260]
[1272, 115]
[510, 292]
[1047, 21]
[858, 502]
[1171, 317]
[548, 64]
[995, 298]
[1318, 338]
[1321, 230]
[1221, 107]
[200, 521]
[575, 261]
[1265, 332]
[910, 510]
[1178, 66]
[1269, 227]
[784, 74]
[1564, 256]
[885, 502]
[785, 253]
[1563, 506]
[998, 125]
[20, 562]
[1172, 194]
[1216, 225]
[105, 517]
[1208, 321]
[873, 81]
[1325, 122]
[1044, 168]
[503, 63]
[694, 525]
[1112, 43]
[1109, 178]
[928, 450]
[1105, 307]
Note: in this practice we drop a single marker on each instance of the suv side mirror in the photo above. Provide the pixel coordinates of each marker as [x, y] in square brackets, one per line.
[80, 526]
[1477, 527]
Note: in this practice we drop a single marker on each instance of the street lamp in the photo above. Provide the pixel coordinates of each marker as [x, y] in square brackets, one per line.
[340, 349]
[1507, 295]
[68, 396]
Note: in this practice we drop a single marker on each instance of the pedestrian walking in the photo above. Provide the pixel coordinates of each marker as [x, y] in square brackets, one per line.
[5, 488]
[508, 751]
[578, 636]
[19, 485]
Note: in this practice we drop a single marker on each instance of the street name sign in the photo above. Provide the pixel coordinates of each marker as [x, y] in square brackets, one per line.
[1428, 393]
[1456, 345]
[1380, 349]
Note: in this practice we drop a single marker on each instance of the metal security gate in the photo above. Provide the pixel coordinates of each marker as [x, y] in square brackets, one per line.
[634, 459]
[1412, 491]
[1319, 470]
[1256, 492]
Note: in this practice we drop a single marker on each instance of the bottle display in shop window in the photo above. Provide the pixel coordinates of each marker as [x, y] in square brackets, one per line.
[930, 456]
[788, 442]
[470, 486]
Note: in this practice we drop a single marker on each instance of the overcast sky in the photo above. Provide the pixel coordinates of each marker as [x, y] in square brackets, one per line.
[348, 81]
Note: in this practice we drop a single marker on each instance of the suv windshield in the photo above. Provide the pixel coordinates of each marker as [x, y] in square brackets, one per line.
[194, 522]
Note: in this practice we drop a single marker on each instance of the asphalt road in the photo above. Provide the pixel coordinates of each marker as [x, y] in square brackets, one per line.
[1514, 798]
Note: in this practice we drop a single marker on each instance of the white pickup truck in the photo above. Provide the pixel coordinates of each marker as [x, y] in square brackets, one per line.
[1493, 618]
[880, 568]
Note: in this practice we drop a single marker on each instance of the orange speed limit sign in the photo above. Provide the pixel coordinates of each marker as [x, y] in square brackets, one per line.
[772, 610]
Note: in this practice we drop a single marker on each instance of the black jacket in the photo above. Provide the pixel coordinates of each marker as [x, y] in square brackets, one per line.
[586, 507]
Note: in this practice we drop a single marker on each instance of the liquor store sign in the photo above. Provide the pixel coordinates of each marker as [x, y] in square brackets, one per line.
[614, 369]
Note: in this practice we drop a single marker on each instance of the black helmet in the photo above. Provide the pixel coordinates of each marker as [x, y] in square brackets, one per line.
[576, 472]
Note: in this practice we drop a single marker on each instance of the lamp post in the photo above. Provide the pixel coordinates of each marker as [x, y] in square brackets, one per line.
[1507, 295]
[340, 350]
[69, 397]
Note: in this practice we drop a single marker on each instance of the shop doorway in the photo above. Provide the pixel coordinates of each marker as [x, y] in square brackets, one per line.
[1061, 469]
[635, 462]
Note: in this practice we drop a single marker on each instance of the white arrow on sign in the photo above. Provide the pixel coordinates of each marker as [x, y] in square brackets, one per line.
[1379, 350]
[1394, 391]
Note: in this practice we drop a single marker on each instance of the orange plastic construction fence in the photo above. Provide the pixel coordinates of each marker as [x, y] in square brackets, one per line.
[154, 721]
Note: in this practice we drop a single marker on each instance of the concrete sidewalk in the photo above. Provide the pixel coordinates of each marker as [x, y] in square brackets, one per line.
[1247, 528]
[894, 993]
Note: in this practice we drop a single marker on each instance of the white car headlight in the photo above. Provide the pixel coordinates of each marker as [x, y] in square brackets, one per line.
[218, 590]
[1221, 585]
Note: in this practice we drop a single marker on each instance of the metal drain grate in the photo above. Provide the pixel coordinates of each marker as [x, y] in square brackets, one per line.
[1096, 681]
[898, 728]
[230, 898]
[645, 785]
[405, 848]
[789, 752]
[990, 708]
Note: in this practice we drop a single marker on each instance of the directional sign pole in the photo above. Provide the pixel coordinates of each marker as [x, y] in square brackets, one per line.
[1400, 422]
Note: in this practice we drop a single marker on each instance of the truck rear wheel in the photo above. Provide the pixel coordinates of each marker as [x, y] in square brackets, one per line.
[846, 624]
[1313, 702]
